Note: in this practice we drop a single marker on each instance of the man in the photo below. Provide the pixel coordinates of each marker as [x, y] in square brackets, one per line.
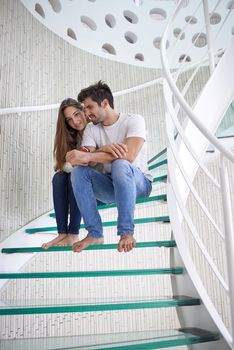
[117, 141]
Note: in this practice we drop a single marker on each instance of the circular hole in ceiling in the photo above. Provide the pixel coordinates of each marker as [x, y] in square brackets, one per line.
[88, 22]
[130, 37]
[184, 58]
[108, 48]
[199, 40]
[157, 43]
[178, 33]
[215, 18]
[191, 19]
[71, 33]
[39, 10]
[110, 20]
[230, 5]
[56, 5]
[158, 14]
[139, 57]
[130, 16]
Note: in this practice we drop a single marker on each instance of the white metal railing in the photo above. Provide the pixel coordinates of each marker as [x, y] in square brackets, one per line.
[185, 156]
[24, 109]
[19, 110]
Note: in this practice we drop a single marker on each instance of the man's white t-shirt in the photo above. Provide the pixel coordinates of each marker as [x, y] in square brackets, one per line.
[127, 125]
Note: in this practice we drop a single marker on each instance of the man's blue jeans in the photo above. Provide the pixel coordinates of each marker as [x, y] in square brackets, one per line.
[65, 203]
[123, 185]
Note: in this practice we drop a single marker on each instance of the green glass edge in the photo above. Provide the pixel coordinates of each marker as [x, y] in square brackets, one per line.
[104, 224]
[164, 151]
[66, 274]
[93, 247]
[175, 340]
[162, 197]
[159, 178]
[162, 344]
[98, 307]
[138, 201]
[162, 162]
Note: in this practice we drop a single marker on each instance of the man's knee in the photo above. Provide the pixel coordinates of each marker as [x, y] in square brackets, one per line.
[77, 174]
[119, 167]
[81, 172]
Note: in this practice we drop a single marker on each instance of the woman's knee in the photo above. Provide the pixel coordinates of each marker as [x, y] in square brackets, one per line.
[60, 178]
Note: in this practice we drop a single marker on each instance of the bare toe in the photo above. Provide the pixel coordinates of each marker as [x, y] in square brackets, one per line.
[54, 242]
[70, 239]
[86, 242]
[126, 243]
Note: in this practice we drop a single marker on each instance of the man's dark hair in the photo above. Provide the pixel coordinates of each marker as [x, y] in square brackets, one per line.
[97, 92]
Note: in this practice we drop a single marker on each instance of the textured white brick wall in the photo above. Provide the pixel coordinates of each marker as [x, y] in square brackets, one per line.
[39, 68]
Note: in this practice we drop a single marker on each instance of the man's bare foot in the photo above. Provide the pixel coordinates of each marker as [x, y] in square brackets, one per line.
[61, 240]
[86, 242]
[54, 241]
[126, 243]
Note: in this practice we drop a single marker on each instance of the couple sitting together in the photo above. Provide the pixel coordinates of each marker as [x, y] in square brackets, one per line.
[107, 152]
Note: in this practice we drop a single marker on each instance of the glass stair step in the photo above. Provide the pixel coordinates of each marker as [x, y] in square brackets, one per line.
[157, 165]
[162, 178]
[169, 243]
[119, 341]
[164, 219]
[67, 274]
[18, 307]
[159, 155]
[162, 197]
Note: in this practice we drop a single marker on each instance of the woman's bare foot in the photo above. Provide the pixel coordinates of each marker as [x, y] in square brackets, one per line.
[126, 243]
[69, 240]
[63, 239]
[86, 242]
[54, 241]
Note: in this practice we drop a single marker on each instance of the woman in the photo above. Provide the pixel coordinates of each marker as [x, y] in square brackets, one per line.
[70, 127]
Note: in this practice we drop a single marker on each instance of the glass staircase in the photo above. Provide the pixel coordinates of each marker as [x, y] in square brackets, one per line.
[108, 305]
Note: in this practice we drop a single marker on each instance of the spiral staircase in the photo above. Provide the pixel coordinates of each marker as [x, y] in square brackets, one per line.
[121, 306]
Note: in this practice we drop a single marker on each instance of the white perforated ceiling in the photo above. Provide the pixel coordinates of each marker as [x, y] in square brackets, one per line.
[130, 31]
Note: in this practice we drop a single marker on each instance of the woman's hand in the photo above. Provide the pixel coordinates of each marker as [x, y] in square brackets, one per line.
[76, 157]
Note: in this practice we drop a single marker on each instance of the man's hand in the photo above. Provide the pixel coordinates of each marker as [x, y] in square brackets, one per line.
[76, 157]
[117, 150]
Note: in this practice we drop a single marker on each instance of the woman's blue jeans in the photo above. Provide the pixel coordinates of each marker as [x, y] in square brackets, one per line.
[123, 185]
[65, 203]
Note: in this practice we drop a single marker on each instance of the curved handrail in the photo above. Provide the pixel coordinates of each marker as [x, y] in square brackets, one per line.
[24, 109]
[191, 269]
[181, 99]
[185, 140]
[188, 219]
[19, 110]
[180, 182]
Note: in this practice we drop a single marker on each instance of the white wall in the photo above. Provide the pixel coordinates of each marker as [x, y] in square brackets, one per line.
[39, 68]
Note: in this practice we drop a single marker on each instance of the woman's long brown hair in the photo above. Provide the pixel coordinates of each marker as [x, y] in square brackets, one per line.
[66, 138]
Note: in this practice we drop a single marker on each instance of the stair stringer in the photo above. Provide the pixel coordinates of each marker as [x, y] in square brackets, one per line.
[205, 316]
[210, 108]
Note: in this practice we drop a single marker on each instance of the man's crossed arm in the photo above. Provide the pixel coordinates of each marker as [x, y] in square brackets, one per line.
[106, 154]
